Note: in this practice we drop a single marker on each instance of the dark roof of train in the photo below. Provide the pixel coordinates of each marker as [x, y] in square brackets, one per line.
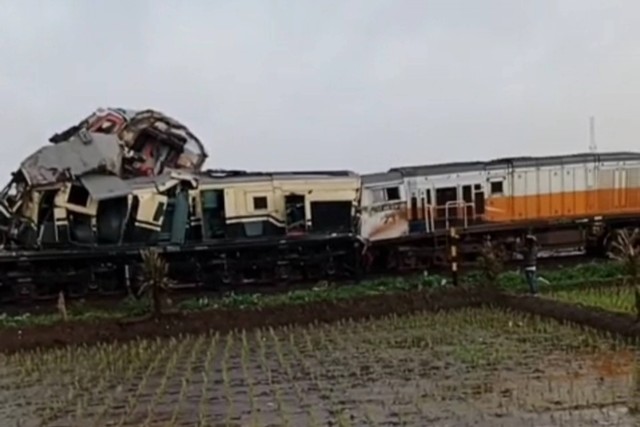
[225, 173]
[531, 161]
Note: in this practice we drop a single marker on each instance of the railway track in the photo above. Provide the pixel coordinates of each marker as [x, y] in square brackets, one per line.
[186, 291]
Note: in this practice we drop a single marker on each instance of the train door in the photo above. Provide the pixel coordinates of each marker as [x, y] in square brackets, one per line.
[468, 207]
[416, 213]
[213, 214]
[421, 211]
[180, 217]
[478, 201]
[296, 217]
[446, 207]
[46, 218]
[146, 218]
[167, 221]
[331, 216]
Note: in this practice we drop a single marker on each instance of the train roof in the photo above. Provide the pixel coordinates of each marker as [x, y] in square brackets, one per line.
[250, 176]
[524, 161]
[102, 186]
[381, 177]
[233, 172]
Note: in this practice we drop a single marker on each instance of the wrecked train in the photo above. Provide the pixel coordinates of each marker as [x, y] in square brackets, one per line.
[77, 212]
[54, 196]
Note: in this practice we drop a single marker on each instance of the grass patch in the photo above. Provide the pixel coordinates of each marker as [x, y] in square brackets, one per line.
[617, 299]
[511, 281]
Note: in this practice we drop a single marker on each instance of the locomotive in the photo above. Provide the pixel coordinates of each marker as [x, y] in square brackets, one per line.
[569, 202]
[77, 212]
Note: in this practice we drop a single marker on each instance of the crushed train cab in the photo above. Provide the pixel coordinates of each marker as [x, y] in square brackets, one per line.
[61, 186]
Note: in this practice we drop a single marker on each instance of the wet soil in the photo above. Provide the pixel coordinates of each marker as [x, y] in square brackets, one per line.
[486, 368]
[222, 320]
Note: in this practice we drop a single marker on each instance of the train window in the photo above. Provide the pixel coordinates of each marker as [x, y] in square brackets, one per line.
[445, 195]
[393, 193]
[78, 196]
[466, 194]
[157, 215]
[259, 203]
[496, 187]
[414, 207]
[479, 201]
[377, 196]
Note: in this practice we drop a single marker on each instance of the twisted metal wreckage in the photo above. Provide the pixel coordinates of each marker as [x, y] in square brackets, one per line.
[102, 152]
[77, 212]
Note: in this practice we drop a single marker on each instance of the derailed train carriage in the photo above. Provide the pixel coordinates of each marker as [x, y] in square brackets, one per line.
[216, 228]
[77, 213]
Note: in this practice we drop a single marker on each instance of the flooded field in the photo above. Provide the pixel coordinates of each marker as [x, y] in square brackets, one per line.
[469, 367]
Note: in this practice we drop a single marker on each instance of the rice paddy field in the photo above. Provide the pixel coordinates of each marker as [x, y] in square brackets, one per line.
[469, 367]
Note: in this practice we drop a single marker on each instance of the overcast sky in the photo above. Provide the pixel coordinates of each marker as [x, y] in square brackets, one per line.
[364, 85]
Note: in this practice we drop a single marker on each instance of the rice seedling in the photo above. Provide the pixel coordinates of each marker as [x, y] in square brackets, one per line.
[617, 299]
[473, 365]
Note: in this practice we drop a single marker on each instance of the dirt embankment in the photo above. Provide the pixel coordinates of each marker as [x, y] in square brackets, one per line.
[60, 334]
[594, 317]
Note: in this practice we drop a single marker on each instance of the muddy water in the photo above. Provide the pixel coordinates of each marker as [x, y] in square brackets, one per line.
[559, 389]
[473, 367]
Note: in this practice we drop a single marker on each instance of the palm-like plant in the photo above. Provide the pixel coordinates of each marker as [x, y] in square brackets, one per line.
[624, 249]
[154, 278]
[491, 263]
[62, 306]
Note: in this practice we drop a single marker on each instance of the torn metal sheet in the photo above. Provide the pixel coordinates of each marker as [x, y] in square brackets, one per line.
[81, 154]
[191, 152]
[151, 140]
[159, 182]
[102, 187]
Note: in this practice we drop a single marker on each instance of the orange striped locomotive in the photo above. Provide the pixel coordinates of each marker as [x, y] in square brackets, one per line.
[572, 201]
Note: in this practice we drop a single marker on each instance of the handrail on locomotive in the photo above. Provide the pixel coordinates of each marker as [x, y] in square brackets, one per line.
[459, 205]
